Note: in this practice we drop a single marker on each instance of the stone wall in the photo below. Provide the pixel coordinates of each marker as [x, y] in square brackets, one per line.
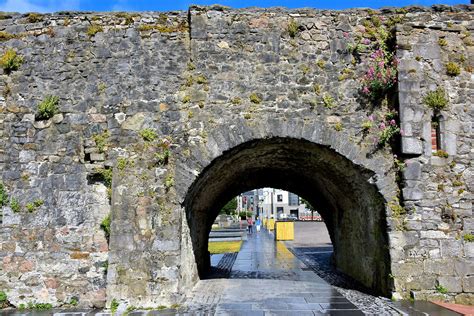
[437, 190]
[204, 83]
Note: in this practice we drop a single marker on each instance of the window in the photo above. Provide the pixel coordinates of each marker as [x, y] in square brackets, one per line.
[293, 199]
[435, 134]
[279, 210]
[279, 198]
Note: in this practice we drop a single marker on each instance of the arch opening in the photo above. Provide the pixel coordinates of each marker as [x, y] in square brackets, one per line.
[343, 193]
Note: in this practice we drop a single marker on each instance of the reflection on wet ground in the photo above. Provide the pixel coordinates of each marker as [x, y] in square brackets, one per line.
[267, 279]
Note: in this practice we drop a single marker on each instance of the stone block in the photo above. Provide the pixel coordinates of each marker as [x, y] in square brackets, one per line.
[412, 194]
[468, 284]
[469, 249]
[412, 146]
[412, 170]
[97, 156]
[452, 284]
[464, 299]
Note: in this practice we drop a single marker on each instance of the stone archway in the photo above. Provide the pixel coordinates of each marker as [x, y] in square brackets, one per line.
[350, 203]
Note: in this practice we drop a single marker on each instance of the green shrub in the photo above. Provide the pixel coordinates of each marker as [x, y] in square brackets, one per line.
[10, 61]
[367, 125]
[442, 42]
[3, 195]
[94, 29]
[38, 203]
[3, 297]
[169, 182]
[15, 205]
[293, 28]
[48, 108]
[468, 237]
[4, 36]
[30, 207]
[42, 306]
[338, 126]
[436, 99]
[105, 226]
[441, 289]
[162, 157]
[441, 153]
[101, 140]
[254, 98]
[328, 101]
[453, 69]
[236, 101]
[34, 17]
[148, 134]
[74, 301]
[114, 306]
[201, 79]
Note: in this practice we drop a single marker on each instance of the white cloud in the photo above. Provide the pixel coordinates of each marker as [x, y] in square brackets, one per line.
[38, 5]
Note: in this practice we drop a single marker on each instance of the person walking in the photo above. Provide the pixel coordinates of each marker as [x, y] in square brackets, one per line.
[258, 223]
[249, 224]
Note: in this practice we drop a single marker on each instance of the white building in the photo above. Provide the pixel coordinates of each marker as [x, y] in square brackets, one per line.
[278, 204]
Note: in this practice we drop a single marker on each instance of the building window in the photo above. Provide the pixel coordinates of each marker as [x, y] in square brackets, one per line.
[435, 134]
[293, 199]
[279, 198]
[279, 210]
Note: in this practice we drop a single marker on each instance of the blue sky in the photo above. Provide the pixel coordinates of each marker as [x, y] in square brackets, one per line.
[166, 5]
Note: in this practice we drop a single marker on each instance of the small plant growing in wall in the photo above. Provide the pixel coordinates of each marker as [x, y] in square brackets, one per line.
[15, 205]
[105, 226]
[338, 127]
[441, 153]
[441, 289]
[436, 99]
[292, 28]
[34, 17]
[10, 61]
[94, 29]
[442, 42]
[254, 98]
[101, 140]
[468, 237]
[3, 195]
[114, 306]
[453, 69]
[148, 134]
[163, 154]
[236, 101]
[328, 101]
[169, 182]
[3, 299]
[48, 108]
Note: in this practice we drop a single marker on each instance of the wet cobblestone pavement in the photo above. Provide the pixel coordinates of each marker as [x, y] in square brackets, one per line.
[267, 279]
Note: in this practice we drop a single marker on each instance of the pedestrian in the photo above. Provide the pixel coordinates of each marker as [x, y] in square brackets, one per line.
[249, 224]
[258, 223]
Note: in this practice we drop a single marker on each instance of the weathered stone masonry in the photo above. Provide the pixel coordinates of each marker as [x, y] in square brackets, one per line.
[235, 93]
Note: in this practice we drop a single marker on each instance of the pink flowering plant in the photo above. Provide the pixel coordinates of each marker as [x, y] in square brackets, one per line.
[381, 74]
[383, 126]
[375, 36]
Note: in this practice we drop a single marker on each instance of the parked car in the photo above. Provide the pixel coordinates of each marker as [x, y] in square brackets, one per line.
[292, 217]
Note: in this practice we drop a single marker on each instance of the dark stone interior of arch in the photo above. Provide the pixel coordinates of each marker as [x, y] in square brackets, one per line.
[350, 205]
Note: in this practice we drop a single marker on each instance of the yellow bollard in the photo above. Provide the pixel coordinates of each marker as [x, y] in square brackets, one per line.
[271, 224]
[284, 231]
